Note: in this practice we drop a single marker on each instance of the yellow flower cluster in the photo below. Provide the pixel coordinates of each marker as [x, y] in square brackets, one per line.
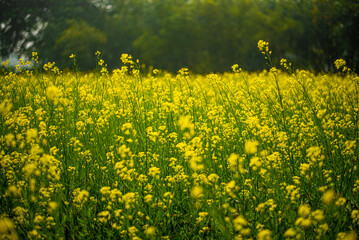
[129, 155]
[263, 47]
[341, 64]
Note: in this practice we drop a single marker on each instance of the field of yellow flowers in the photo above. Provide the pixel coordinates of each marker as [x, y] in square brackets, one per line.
[126, 155]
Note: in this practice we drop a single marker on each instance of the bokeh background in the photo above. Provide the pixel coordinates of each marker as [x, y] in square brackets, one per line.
[203, 35]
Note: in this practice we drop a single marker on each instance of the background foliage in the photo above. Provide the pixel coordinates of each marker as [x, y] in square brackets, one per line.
[204, 35]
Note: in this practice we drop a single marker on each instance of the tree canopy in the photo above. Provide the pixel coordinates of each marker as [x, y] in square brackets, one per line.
[204, 35]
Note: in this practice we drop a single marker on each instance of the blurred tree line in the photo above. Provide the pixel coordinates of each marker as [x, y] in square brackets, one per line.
[204, 35]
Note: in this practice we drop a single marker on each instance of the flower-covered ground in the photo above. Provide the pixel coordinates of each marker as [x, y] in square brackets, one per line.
[127, 155]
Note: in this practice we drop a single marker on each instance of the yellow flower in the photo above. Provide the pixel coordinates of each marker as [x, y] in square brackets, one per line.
[9, 138]
[263, 46]
[321, 113]
[13, 191]
[232, 161]
[264, 234]
[290, 233]
[328, 197]
[255, 163]
[150, 231]
[195, 163]
[53, 93]
[105, 190]
[201, 216]
[183, 71]
[341, 201]
[260, 207]
[196, 192]
[340, 63]
[52, 206]
[250, 147]
[33, 234]
[29, 169]
[126, 127]
[126, 58]
[80, 197]
[49, 66]
[236, 69]
[285, 64]
[303, 222]
[347, 236]
[355, 216]
[35, 57]
[155, 71]
[148, 198]
[318, 215]
[186, 125]
[31, 134]
[168, 195]
[274, 70]
[154, 172]
[132, 231]
[304, 210]
[5, 107]
[213, 177]
[245, 231]
[38, 219]
[240, 220]
[7, 229]
[5, 63]
[129, 198]
[103, 214]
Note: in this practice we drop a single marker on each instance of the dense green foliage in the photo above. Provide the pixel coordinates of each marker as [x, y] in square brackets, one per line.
[204, 35]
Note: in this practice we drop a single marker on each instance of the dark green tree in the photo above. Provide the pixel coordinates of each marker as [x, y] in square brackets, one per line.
[124, 23]
[82, 40]
[204, 35]
[66, 18]
[21, 21]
